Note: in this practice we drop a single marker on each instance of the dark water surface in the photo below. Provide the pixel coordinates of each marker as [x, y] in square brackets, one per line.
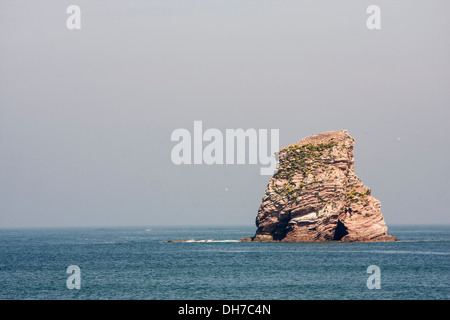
[131, 263]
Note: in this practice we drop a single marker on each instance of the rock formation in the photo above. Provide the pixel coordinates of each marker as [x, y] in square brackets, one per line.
[315, 195]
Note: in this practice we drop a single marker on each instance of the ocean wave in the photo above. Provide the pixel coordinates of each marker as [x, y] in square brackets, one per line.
[201, 241]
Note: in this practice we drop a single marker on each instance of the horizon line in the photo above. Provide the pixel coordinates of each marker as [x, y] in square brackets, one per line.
[147, 226]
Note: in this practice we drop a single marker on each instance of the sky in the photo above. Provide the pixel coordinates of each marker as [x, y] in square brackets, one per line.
[86, 116]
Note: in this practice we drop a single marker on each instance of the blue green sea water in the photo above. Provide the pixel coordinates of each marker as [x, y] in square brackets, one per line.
[135, 263]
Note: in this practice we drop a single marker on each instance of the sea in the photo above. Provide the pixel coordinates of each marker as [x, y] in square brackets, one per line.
[137, 263]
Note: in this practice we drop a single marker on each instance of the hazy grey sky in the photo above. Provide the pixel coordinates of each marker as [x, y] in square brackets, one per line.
[86, 115]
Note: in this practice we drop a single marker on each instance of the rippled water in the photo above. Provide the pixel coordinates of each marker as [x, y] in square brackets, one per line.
[131, 263]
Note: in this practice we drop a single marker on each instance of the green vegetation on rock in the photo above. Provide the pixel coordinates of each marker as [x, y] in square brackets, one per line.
[304, 159]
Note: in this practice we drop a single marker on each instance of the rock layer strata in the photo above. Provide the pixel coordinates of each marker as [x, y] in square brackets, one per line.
[315, 195]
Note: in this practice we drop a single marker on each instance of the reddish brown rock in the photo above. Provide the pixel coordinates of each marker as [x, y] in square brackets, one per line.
[315, 195]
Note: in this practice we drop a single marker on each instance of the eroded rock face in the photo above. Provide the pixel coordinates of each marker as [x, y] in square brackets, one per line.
[316, 196]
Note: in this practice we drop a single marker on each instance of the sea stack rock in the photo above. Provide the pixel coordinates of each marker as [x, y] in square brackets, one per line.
[315, 195]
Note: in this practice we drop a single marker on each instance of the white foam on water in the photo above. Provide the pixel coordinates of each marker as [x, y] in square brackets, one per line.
[206, 241]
